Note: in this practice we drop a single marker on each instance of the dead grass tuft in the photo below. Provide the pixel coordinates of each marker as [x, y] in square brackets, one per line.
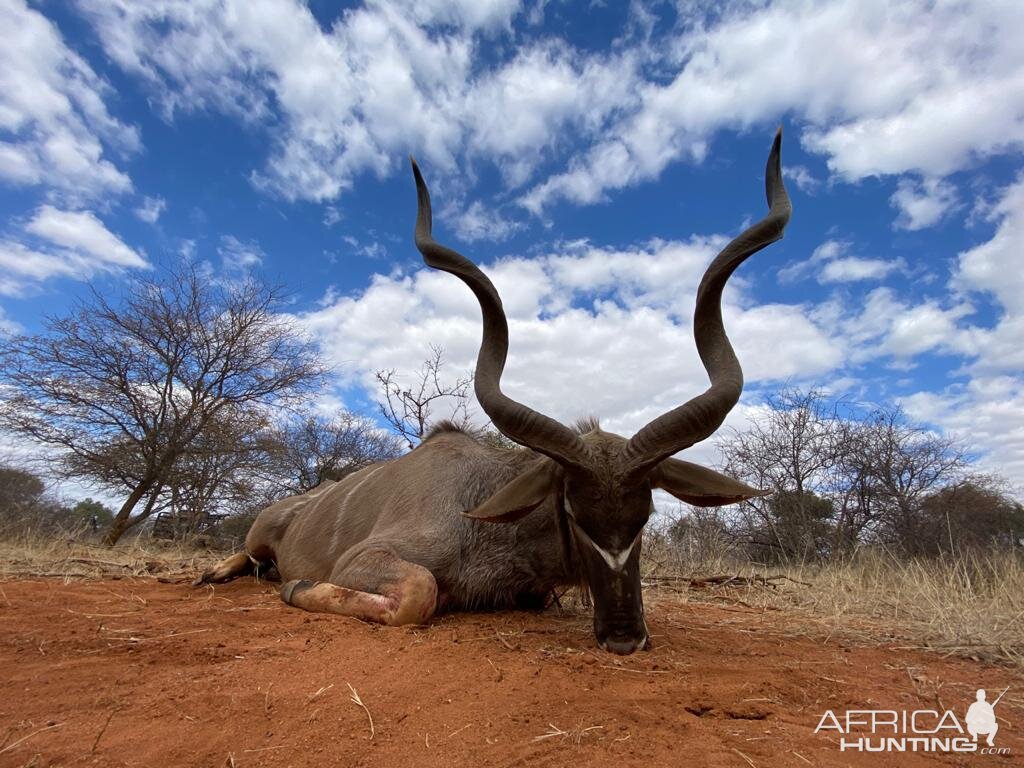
[72, 556]
[972, 605]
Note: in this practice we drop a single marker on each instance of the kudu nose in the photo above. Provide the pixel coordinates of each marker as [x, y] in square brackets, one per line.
[623, 646]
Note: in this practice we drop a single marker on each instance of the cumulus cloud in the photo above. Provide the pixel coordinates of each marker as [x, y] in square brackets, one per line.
[884, 89]
[239, 256]
[59, 243]
[81, 231]
[593, 330]
[830, 262]
[987, 414]
[922, 204]
[55, 128]
[881, 324]
[853, 268]
[879, 89]
[987, 410]
[477, 222]
[385, 79]
[804, 180]
[994, 266]
[8, 327]
[150, 209]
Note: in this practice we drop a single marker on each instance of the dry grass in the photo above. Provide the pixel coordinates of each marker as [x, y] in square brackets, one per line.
[73, 555]
[972, 605]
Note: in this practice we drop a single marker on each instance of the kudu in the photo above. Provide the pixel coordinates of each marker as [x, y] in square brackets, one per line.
[456, 524]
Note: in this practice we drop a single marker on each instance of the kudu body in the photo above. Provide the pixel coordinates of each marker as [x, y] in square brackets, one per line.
[455, 524]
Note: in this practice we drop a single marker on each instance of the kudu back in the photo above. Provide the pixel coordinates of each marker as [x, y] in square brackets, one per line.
[459, 525]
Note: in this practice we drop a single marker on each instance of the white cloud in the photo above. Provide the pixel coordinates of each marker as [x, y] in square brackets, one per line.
[920, 87]
[853, 268]
[151, 209]
[987, 414]
[804, 180]
[881, 324]
[924, 328]
[238, 256]
[469, 15]
[8, 327]
[987, 411]
[480, 223]
[73, 244]
[922, 204]
[384, 80]
[81, 231]
[370, 250]
[332, 216]
[995, 266]
[879, 89]
[348, 98]
[830, 262]
[530, 104]
[592, 330]
[54, 122]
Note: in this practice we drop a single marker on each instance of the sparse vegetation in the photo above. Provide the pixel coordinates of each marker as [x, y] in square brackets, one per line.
[69, 554]
[133, 392]
[971, 604]
[877, 526]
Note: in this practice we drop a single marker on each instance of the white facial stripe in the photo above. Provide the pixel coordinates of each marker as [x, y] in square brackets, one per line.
[616, 560]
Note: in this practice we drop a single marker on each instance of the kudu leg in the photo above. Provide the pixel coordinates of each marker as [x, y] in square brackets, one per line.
[239, 564]
[376, 586]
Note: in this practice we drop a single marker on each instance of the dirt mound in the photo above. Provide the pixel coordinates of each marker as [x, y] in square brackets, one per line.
[133, 672]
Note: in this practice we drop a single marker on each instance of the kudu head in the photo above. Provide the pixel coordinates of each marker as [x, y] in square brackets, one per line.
[603, 482]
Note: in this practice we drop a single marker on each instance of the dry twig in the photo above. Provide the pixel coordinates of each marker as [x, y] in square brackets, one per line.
[13, 744]
[355, 698]
[102, 731]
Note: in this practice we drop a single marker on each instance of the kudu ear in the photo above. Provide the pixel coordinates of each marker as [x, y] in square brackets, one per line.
[520, 496]
[699, 485]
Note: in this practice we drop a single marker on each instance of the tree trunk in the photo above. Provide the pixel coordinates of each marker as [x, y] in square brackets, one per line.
[123, 520]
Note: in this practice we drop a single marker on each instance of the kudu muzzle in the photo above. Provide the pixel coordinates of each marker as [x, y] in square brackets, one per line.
[619, 624]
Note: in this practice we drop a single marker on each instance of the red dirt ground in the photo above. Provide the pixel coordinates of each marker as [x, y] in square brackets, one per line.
[134, 672]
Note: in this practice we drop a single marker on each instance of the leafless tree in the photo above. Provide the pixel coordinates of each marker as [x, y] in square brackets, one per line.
[128, 388]
[843, 478]
[795, 449]
[312, 449]
[410, 409]
[899, 465]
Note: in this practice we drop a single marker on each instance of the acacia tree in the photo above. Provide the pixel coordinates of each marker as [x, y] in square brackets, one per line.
[127, 389]
[901, 464]
[841, 480]
[219, 474]
[975, 514]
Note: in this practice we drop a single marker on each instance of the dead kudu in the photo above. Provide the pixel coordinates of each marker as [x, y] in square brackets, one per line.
[459, 525]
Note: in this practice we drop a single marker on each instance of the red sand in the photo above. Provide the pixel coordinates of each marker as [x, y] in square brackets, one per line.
[134, 672]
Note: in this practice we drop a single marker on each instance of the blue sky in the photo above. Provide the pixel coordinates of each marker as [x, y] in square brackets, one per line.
[592, 157]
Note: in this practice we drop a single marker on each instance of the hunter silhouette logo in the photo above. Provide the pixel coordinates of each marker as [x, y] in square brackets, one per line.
[981, 717]
[919, 730]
